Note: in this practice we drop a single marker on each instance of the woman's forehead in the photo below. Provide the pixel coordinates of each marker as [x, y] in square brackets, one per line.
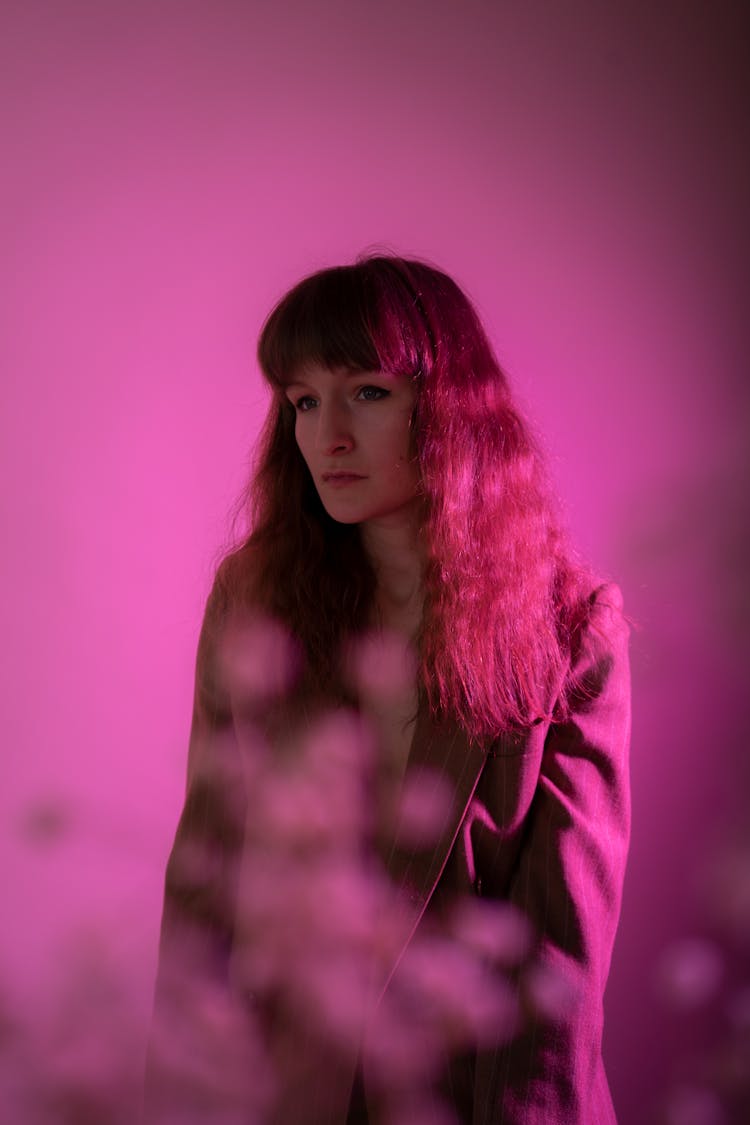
[317, 372]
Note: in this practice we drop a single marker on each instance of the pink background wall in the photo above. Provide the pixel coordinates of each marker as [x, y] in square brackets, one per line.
[168, 169]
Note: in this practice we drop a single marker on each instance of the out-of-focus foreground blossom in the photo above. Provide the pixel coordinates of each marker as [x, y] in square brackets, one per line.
[705, 979]
[320, 927]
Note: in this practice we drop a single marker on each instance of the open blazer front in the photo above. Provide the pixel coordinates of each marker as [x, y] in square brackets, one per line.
[539, 818]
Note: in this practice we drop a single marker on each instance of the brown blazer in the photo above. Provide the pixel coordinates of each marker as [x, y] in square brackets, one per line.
[540, 819]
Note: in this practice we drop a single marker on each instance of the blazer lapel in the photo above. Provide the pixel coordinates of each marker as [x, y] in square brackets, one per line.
[443, 756]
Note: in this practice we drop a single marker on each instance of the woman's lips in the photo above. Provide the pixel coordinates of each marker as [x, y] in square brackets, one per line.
[340, 480]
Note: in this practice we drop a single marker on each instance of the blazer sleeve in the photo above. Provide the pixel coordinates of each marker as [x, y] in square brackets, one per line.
[568, 880]
[200, 889]
[201, 883]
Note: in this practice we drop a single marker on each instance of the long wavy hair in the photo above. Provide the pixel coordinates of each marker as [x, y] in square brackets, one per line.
[503, 592]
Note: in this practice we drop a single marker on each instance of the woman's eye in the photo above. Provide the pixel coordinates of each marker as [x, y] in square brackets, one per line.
[303, 404]
[372, 394]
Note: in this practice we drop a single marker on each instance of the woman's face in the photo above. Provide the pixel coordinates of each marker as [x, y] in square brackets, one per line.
[353, 430]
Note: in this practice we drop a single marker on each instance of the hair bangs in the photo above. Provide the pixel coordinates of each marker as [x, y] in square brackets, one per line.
[324, 321]
[399, 324]
[363, 317]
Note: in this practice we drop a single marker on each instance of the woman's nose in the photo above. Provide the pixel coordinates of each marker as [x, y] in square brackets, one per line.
[334, 433]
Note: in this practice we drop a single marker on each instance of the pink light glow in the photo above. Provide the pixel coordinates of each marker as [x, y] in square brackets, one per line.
[168, 170]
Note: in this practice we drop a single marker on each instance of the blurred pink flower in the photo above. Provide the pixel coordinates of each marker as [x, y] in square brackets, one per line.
[689, 972]
[206, 1041]
[259, 660]
[382, 666]
[446, 984]
[694, 1105]
[422, 1109]
[425, 804]
[549, 990]
[495, 930]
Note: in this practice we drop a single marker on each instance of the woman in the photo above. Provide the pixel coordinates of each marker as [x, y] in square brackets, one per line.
[398, 497]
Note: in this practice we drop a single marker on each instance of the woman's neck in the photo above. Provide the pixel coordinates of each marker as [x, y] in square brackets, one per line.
[396, 551]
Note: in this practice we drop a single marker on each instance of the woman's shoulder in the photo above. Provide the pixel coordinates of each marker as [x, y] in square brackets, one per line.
[234, 588]
[604, 612]
[236, 577]
[599, 648]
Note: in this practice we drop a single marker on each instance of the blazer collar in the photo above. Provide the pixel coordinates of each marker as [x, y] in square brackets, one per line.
[443, 755]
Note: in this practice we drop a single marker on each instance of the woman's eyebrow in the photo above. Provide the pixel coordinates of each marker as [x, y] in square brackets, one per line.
[354, 373]
[297, 383]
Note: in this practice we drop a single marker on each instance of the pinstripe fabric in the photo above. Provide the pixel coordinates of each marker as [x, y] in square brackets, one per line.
[561, 806]
[540, 819]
